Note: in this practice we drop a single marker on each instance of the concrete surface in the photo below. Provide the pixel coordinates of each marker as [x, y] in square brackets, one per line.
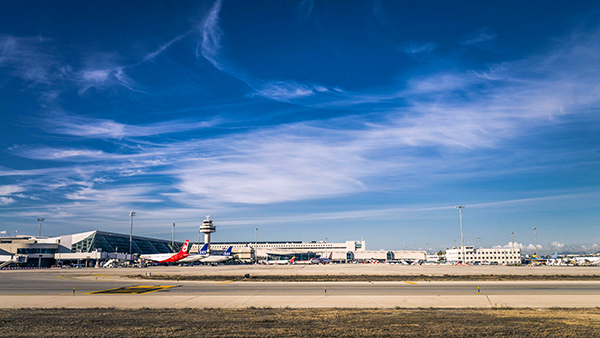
[52, 288]
[358, 301]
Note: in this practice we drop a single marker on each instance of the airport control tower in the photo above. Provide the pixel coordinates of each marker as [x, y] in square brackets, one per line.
[207, 228]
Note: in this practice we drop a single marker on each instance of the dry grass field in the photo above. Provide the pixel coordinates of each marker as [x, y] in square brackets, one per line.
[366, 278]
[267, 322]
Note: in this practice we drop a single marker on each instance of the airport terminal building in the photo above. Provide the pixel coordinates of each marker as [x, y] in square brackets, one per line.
[470, 255]
[93, 248]
[348, 251]
[88, 248]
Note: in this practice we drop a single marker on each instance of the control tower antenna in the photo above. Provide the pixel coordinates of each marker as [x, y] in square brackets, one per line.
[207, 228]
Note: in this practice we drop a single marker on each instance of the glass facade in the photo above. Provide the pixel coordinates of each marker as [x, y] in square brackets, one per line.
[299, 256]
[113, 242]
[26, 251]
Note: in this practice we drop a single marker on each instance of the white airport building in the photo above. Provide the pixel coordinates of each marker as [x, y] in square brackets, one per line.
[94, 248]
[341, 252]
[469, 254]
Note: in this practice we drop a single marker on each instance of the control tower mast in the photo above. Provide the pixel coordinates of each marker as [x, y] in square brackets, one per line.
[207, 228]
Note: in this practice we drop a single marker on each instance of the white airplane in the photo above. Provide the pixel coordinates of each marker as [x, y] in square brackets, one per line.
[308, 261]
[196, 257]
[218, 259]
[169, 257]
[316, 260]
[282, 261]
[588, 260]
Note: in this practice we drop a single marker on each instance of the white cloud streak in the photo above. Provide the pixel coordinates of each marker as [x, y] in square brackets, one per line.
[28, 59]
[211, 36]
[304, 9]
[6, 190]
[67, 124]
[483, 35]
[420, 48]
[6, 200]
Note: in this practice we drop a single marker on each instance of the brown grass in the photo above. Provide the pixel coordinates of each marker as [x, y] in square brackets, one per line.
[267, 322]
[368, 278]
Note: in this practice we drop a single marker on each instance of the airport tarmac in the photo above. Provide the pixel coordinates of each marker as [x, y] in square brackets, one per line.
[342, 269]
[368, 269]
[53, 288]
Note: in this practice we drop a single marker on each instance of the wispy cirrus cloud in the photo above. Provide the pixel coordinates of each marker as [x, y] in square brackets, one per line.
[29, 58]
[68, 124]
[413, 48]
[37, 61]
[465, 111]
[129, 194]
[274, 167]
[103, 78]
[286, 90]
[6, 190]
[304, 9]
[210, 49]
[58, 154]
[210, 44]
[6, 200]
[482, 35]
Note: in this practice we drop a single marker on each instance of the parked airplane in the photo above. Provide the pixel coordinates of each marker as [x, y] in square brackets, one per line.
[282, 261]
[320, 260]
[218, 259]
[307, 261]
[196, 257]
[169, 257]
[588, 260]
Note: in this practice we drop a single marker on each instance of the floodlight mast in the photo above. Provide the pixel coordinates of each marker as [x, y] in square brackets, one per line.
[512, 242]
[40, 220]
[535, 235]
[462, 238]
[131, 214]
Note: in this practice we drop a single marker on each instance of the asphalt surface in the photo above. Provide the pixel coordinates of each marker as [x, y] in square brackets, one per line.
[85, 288]
[56, 282]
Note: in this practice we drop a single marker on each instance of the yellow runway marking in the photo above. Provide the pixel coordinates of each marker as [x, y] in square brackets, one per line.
[411, 283]
[138, 289]
[227, 282]
[102, 275]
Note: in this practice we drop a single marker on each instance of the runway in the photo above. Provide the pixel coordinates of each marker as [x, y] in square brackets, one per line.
[57, 283]
[53, 288]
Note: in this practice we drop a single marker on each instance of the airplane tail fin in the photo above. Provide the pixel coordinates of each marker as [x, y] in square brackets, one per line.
[555, 255]
[330, 255]
[228, 252]
[291, 261]
[185, 248]
[204, 249]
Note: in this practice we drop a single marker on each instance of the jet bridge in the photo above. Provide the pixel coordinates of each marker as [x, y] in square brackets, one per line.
[6, 260]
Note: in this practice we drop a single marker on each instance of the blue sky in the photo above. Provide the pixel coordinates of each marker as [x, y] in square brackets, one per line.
[309, 120]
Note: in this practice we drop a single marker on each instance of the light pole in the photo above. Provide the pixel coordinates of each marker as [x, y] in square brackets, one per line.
[512, 242]
[462, 239]
[255, 236]
[535, 235]
[173, 238]
[40, 220]
[131, 214]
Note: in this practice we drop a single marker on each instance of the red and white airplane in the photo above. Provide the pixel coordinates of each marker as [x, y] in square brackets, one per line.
[169, 257]
[320, 260]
